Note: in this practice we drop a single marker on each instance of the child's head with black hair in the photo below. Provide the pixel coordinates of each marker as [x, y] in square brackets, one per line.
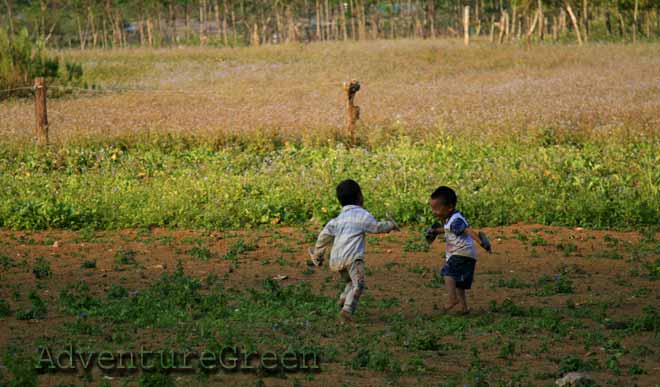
[349, 193]
[443, 202]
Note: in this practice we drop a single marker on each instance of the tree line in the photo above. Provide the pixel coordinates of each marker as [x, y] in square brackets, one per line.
[156, 23]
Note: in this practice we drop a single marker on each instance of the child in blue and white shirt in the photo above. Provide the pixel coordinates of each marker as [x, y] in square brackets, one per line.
[461, 255]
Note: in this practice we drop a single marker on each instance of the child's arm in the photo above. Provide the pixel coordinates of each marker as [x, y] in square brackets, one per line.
[324, 240]
[373, 226]
[481, 238]
[459, 227]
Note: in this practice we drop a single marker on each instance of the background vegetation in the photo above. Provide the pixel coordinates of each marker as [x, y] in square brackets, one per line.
[157, 23]
[187, 183]
[551, 135]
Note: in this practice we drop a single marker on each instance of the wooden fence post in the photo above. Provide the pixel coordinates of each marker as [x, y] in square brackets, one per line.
[352, 111]
[41, 129]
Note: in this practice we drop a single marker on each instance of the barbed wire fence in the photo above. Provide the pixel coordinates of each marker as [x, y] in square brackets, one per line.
[39, 90]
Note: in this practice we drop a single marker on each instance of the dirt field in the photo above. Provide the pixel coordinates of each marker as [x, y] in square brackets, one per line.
[548, 301]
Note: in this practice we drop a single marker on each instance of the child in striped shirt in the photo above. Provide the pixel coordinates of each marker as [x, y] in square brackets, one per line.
[461, 255]
[346, 233]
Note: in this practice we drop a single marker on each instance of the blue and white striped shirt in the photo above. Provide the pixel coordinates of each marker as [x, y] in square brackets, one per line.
[458, 241]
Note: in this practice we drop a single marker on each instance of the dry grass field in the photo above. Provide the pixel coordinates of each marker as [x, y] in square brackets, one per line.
[414, 86]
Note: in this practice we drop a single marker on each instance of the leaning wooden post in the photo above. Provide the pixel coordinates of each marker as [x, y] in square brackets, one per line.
[466, 25]
[352, 111]
[41, 129]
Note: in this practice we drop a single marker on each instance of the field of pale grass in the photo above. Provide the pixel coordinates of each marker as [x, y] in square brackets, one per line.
[412, 87]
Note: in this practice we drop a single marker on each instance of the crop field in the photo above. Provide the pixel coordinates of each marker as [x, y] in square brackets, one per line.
[175, 205]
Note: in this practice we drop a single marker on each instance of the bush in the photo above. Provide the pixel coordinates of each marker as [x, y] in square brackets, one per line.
[22, 60]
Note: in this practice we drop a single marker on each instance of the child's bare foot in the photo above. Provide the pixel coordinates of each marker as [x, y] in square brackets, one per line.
[346, 316]
[448, 306]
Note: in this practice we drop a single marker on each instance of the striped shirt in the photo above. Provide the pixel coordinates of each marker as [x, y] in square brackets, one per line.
[346, 233]
[458, 241]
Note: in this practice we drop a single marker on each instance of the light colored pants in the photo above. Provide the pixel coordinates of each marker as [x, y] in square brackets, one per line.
[354, 277]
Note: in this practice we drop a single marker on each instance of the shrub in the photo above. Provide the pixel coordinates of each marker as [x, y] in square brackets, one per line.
[22, 60]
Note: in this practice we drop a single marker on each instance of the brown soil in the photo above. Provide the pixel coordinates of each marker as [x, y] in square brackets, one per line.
[602, 267]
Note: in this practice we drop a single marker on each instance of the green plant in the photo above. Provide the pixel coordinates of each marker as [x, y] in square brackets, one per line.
[559, 284]
[424, 341]
[508, 350]
[22, 60]
[202, 253]
[125, 256]
[41, 268]
[6, 262]
[538, 241]
[513, 283]
[574, 364]
[508, 307]
[567, 248]
[415, 245]
[416, 364]
[21, 366]
[37, 311]
[652, 269]
[612, 364]
[375, 360]
[76, 299]
[237, 248]
[636, 369]
[419, 269]
[5, 309]
[477, 373]
[156, 379]
[391, 264]
[88, 264]
[649, 321]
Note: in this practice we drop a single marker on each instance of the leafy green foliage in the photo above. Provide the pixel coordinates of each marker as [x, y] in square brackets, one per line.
[415, 245]
[41, 268]
[6, 262]
[37, 310]
[513, 283]
[5, 309]
[195, 184]
[22, 60]
[202, 253]
[237, 248]
[88, 264]
[574, 364]
[77, 299]
[559, 284]
[21, 367]
[125, 257]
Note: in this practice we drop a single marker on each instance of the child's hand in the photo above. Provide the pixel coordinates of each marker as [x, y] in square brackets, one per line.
[396, 226]
[433, 232]
[316, 258]
[484, 242]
